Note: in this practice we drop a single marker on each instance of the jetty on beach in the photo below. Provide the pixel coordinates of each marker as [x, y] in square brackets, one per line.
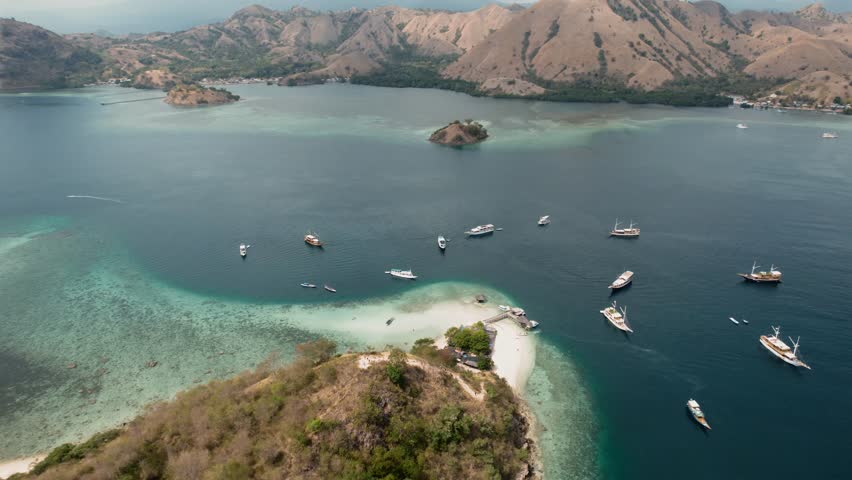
[518, 315]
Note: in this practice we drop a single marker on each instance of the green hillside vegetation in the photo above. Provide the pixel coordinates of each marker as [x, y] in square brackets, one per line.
[321, 417]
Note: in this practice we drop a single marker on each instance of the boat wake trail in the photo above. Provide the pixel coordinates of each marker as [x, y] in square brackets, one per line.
[104, 199]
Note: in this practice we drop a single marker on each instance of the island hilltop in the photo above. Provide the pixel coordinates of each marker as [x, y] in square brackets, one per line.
[459, 133]
[194, 95]
[389, 415]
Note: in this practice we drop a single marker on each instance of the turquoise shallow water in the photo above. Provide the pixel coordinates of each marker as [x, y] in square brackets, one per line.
[111, 285]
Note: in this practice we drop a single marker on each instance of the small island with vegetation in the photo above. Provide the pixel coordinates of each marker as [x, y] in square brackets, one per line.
[459, 133]
[194, 95]
[375, 415]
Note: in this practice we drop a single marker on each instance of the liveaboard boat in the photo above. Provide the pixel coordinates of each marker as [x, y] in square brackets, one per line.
[313, 239]
[480, 230]
[243, 250]
[622, 281]
[777, 347]
[697, 414]
[630, 232]
[772, 276]
[398, 273]
[330, 288]
[617, 318]
[545, 220]
[829, 135]
[442, 242]
[742, 126]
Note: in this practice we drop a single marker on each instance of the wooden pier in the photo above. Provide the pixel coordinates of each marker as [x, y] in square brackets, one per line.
[521, 320]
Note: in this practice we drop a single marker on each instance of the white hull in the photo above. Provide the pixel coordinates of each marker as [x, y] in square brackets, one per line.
[616, 323]
[794, 361]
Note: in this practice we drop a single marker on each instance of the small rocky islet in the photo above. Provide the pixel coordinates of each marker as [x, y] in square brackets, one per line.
[458, 134]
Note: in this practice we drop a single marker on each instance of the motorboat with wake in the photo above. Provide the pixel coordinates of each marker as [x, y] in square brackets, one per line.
[617, 318]
[398, 273]
[777, 347]
[695, 409]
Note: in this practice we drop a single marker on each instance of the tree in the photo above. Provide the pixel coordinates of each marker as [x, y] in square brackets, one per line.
[396, 367]
[838, 101]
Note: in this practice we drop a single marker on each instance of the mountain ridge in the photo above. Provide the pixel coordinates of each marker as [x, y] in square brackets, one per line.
[551, 46]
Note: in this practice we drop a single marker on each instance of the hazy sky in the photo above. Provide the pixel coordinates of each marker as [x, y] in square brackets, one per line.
[123, 16]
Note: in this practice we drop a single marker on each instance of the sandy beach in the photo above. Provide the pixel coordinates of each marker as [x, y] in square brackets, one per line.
[19, 465]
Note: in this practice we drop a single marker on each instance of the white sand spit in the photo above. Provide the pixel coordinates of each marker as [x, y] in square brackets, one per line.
[21, 465]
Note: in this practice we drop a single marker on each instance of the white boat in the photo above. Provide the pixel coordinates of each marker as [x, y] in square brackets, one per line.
[330, 288]
[398, 273]
[745, 321]
[243, 250]
[616, 318]
[772, 276]
[734, 320]
[504, 308]
[697, 414]
[622, 281]
[829, 135]
[742, 126]
[442, 242]
[480, 230]
[308, 285]
[545, 220]
[777, 347]
[629, 232]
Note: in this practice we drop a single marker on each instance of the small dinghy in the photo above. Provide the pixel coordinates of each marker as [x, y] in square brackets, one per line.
[389, 321]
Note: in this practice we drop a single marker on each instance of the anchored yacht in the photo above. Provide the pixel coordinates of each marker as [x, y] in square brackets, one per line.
[616, 318]
[622, 281]
[407, 274]
[742, 126]
[545, 220]
[480, 230]
[772, 276]
[829, 135]
[330, 288]
[442, 242]
[697, 414]
[308, 285]
[312, 239]
[243, 250]
[777, 347]
[631, 231]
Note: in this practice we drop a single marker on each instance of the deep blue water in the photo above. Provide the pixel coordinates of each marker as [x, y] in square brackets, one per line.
[351, 163]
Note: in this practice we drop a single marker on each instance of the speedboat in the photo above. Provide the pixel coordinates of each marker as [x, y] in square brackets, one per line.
[697, 414]
[616, 318]
[745, 321]
[313, 240]
[777, 347]
[545, 220]
[442, 242]
[480, 230]
[504, 308]
[829, 135]
[243, 250]
[630, 232]
[308, 285]
[329, 288]
[622, 281]
[734, 320]
[742, 126]
[407, 274]
[772, 276]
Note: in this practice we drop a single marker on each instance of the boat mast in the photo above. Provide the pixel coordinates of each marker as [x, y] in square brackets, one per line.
[777, 331]
[795, 345]
[616, 225]
[754, 266]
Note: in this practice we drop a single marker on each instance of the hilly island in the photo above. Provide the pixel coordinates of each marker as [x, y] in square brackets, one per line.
[639, 51]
